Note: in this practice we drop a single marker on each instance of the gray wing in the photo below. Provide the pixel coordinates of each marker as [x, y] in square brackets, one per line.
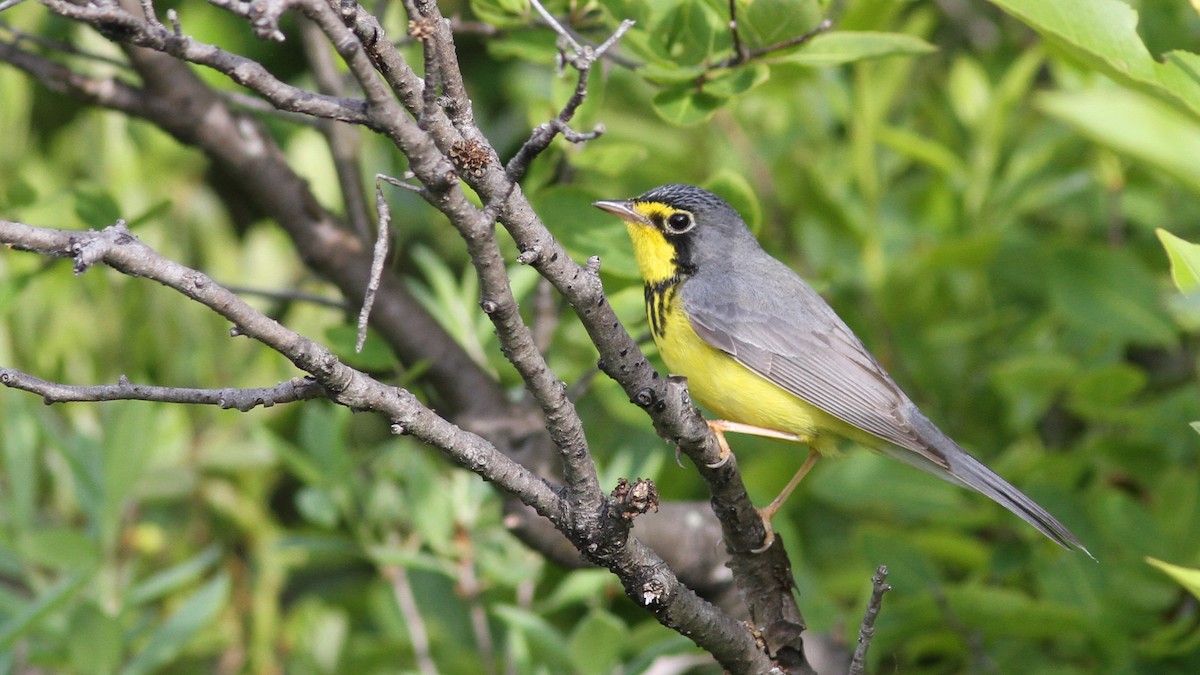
[784, 331]
[777, 326]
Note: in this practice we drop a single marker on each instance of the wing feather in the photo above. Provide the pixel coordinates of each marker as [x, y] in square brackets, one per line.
[797, 342]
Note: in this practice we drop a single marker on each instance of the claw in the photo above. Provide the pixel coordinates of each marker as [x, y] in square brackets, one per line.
[719, 428]
[770, 536]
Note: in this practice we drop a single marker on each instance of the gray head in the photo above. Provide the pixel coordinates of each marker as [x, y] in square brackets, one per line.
[703, 229]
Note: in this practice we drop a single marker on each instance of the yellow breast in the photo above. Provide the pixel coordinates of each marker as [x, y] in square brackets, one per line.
[726, 387]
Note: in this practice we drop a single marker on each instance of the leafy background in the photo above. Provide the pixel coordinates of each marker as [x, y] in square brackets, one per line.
[976, 188]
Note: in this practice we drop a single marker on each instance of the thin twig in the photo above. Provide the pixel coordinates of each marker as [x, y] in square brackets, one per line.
[407, 602]
[541, 137]
[296, 389]
[343, 140]
[290, 296]
[739, 49]
[57, 46]
[744, 56]
[866, 631]
[471, 591]
[118, 248]
[139, 32]
[149, 13]
[558, 27]
[378, 257]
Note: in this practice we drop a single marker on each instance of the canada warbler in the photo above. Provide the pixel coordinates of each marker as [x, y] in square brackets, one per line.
[764, 351]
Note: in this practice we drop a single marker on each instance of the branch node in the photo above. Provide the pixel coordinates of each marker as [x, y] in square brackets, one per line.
[470, 156]
[89, 250]
[645, 397]
[582, 136]
[264, 19]
[530, 255]
[489, 306]
[422, 29]
[150, 14]
[633, 499]
[176, 25]
[593, 265]
[653, 591]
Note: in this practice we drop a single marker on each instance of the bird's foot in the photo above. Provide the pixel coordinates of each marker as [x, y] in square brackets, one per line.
[768, 512]
[719, 427]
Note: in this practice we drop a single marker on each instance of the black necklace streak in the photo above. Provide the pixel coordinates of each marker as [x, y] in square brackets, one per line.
[660, 295]
[659, 298]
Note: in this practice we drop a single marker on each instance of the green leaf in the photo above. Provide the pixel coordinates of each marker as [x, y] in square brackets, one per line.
[686, 106]
[610, 158]
[586, 231]
[738, 80]
[1030, 383]
[1187, 577]
[27, 618]
[96, 207]
[17, 193]
[60, 548]
[1185, 261]
[671, 74]
[1108, 293]
[317, 507]
[1009, 612]
[921, 149]
[376, 355]
[322, 437]
[537, 46]
[736, 190]
[128, 441]
[867, 483]
[838, 47]
[154, 211]
[411, 560]
[969, 90]
[1103, 34]
[96, 640]
[1135, 125]
[688, 34]
[19, 450]
[1106, 390]
[579, 587]
[170, 638]
[175, 577]
[502, 13]
[552, 651]
[597, 643]
[767, 22]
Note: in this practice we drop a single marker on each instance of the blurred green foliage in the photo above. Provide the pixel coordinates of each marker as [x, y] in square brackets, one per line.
[984, 215]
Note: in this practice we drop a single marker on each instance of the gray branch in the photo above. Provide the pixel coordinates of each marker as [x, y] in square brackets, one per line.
[296, 389]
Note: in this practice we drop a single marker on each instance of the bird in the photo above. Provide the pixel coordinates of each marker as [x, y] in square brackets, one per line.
[767, 354]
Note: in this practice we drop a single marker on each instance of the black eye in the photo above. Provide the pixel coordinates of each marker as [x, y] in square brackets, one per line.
[678, 223]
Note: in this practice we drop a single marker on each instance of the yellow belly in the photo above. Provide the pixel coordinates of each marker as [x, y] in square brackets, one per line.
[736, 393]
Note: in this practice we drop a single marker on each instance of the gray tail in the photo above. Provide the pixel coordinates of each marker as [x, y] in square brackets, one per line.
[970, 472]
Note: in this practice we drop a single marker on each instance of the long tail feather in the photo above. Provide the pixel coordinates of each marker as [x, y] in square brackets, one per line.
[970, 472]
